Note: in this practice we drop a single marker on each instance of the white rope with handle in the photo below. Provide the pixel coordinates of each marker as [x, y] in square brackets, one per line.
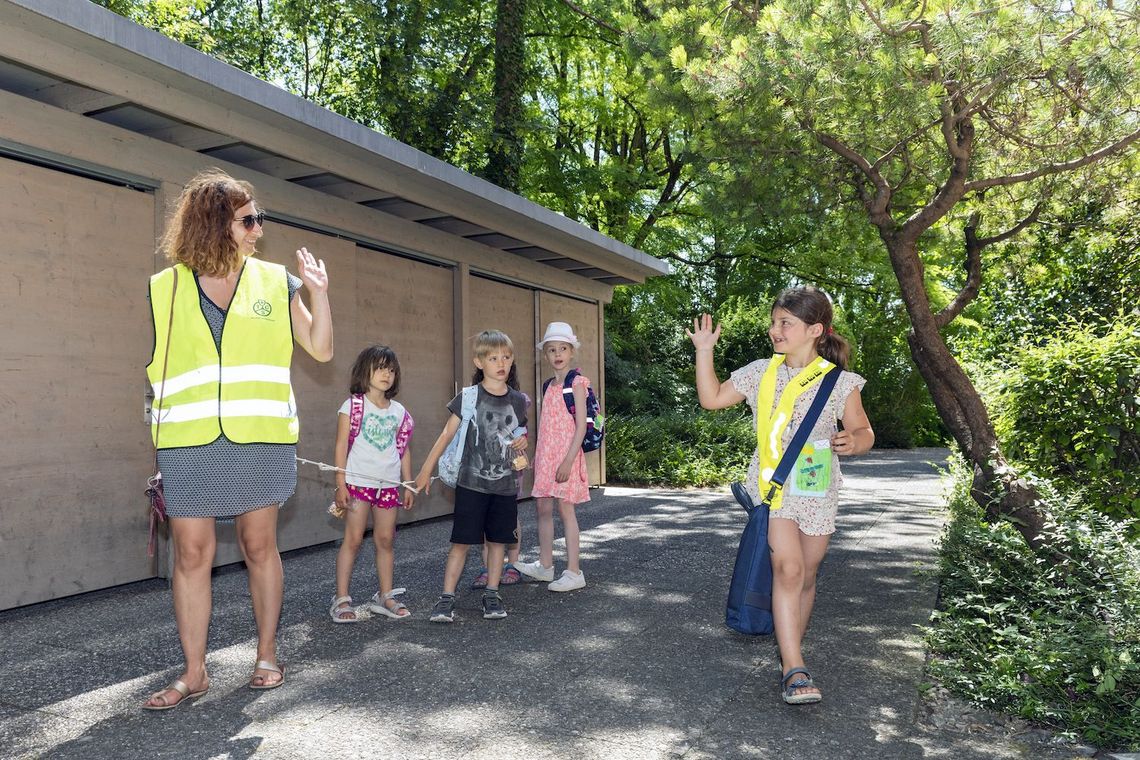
[325, 467]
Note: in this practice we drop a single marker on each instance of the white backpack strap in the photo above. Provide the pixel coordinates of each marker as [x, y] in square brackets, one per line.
[467, 410]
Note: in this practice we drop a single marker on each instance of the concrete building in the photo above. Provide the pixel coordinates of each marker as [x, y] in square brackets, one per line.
[101, 122]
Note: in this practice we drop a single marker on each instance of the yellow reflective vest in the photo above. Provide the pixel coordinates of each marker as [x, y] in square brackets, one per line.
[242, 392]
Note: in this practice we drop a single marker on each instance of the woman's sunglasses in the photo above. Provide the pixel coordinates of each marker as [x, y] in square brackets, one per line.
[249, 220]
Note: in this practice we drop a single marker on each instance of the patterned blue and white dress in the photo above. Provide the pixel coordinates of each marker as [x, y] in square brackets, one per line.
[224, 479]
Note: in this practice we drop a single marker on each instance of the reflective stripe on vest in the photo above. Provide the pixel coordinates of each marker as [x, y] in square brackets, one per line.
[244, 393]
[772, 417]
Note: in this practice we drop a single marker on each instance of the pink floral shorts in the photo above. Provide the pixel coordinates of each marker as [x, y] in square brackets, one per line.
[381, 498]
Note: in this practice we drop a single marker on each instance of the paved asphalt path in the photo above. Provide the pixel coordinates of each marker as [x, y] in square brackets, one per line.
[638, 664]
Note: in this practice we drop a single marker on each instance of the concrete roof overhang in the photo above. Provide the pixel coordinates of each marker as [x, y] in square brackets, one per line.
[141, 81]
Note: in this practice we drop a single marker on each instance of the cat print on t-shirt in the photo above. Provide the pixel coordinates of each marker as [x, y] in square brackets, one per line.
[487, 452]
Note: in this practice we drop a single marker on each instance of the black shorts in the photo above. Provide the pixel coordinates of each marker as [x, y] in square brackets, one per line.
[484, 517]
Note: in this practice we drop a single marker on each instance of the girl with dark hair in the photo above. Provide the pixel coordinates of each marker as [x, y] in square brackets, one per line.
[780, 390]
[373, 432]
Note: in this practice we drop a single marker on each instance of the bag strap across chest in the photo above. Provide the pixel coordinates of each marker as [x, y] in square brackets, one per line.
[827, 382]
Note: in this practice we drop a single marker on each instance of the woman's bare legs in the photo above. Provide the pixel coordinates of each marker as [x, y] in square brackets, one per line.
[194, 545]
[257, 539]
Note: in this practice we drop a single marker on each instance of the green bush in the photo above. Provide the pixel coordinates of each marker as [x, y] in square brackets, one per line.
[684, 448]
[1054, 641]
[1071, 407]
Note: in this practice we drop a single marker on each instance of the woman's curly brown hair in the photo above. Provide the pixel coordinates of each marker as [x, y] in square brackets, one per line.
[199, 231]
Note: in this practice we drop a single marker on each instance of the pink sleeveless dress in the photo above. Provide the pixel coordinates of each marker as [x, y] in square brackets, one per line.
[555, 434]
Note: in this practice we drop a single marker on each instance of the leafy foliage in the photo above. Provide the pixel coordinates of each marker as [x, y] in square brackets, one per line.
[1071, 407]
[678, 127]
[1054, 642]
[682, 448]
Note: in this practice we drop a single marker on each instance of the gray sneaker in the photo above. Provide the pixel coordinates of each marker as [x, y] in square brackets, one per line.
[444, 610]
[493, 607]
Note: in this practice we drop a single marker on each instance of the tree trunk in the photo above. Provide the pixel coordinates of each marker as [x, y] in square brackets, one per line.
[505, 153]
[1002, 494]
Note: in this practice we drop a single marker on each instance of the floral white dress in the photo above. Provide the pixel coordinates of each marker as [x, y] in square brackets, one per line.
[814, 516]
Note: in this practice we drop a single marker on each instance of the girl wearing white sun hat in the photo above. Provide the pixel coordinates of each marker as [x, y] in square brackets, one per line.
[559, 464]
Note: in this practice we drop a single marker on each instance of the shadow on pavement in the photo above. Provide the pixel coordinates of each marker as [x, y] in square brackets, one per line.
[639, 664]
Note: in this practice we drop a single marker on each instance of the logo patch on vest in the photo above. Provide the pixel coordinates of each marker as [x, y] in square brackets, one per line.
[262, 308]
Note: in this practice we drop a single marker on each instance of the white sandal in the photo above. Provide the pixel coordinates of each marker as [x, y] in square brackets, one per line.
[337, 609]
[377, 605]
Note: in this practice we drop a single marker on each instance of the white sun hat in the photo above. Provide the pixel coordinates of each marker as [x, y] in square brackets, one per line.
[559, 331]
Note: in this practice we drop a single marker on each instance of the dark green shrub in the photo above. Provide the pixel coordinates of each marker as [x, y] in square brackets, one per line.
[1071, 407]
[1058, 641]
[684, 448]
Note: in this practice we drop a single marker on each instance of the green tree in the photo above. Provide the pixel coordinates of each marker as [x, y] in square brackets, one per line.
[937, 118]
[505, 152]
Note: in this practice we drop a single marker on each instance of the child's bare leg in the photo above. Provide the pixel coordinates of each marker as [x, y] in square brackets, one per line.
[787, 587]
[495, 553]
[194, 546]
[814, 549]
[570, 529]
[355, 522]
[545, 513]
[456, 559]
[384, 536]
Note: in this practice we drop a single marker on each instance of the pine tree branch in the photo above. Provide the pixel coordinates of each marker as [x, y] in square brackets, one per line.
[974, 246]
[587, 15]
[1064, 166]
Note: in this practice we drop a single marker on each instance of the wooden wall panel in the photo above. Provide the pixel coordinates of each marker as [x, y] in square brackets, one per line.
[498, 306]
[408, 305]
[583, 317]
[75, 453]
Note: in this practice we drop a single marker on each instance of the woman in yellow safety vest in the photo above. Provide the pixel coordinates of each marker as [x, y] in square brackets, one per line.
[224, 419]
[780, 391]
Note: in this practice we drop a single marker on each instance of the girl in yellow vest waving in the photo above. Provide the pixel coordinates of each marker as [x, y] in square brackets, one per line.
[224, 419]
[780, 390]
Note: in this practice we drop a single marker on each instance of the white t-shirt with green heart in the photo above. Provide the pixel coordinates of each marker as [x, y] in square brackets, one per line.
[374, 460]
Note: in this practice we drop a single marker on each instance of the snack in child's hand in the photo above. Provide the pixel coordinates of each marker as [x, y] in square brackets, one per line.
[336, 510]
[520, 461]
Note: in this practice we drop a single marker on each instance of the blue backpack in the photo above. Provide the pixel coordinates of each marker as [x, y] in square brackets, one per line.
[749, 608]
[595, 423]
[452, 456]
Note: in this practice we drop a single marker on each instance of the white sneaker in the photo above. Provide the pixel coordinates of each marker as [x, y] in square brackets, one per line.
[569, 581]
[535, 571]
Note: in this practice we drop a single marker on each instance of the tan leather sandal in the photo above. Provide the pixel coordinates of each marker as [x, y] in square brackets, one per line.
[272, 668]
[183, 692]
